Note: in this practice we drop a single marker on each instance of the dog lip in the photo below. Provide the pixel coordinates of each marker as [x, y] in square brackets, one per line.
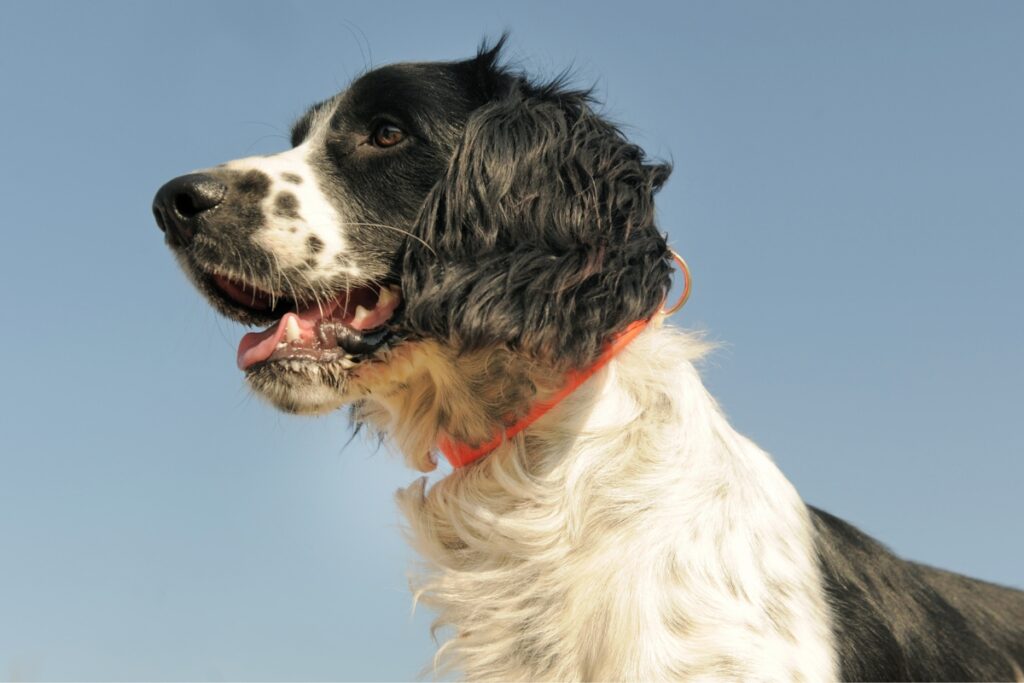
[244, 294]
[373, 343]
[236, 300]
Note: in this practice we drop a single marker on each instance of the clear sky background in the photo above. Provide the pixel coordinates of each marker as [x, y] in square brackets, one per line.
[849, 190]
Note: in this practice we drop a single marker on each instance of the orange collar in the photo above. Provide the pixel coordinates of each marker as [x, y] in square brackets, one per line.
[460, 454]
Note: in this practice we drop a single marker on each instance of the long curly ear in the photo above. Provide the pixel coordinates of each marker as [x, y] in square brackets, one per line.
[541, 234]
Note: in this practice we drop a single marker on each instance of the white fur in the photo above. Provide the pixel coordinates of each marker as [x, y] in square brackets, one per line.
[630, 534]
[284, 237]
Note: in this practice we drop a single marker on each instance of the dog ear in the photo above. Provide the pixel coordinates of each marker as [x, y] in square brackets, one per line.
[487, 79]
[541, 234]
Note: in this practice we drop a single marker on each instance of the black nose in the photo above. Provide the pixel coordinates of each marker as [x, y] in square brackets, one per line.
[179, 205]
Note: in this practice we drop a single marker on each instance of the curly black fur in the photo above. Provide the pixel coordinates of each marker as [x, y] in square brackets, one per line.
[541, 234]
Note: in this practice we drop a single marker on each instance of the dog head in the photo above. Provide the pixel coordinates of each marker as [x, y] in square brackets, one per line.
[456, 206]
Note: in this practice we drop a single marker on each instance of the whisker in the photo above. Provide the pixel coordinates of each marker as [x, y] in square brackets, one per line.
[280, 279]
[390, 227]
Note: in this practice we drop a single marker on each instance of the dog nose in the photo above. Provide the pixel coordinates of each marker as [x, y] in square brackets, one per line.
[180, 204]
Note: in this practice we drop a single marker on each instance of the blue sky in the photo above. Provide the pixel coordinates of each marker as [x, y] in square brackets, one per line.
[848, 191]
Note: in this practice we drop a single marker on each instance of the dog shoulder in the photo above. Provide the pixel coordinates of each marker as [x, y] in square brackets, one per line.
[898, 620]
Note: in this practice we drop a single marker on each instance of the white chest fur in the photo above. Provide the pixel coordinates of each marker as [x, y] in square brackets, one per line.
[631, 534]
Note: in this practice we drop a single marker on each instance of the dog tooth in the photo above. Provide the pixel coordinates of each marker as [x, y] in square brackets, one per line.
[360, 315]
[386, 297]
[291, 330]
[347, 364]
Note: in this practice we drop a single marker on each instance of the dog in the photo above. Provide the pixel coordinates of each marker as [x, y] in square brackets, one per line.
[469, 259]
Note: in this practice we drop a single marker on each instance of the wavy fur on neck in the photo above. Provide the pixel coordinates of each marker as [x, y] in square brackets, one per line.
[630, 534]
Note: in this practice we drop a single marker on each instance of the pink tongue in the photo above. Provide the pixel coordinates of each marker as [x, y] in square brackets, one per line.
[256, 347]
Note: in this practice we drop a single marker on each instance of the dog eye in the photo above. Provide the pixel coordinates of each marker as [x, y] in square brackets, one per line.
[387, 135]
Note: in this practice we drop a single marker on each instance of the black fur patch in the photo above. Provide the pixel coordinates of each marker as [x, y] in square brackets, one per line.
[541, 234]
[900, 621]
[291, 178]
[252, 185]
[286, 205]
[314, 244]
[430, 103]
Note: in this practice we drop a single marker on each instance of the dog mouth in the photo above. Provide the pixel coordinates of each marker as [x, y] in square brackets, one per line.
[347, 329]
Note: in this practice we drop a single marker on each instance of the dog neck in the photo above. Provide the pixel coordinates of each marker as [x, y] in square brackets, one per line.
[629, 525]
[461, 454]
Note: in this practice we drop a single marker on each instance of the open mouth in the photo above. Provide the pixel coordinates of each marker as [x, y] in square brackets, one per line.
[346, 329]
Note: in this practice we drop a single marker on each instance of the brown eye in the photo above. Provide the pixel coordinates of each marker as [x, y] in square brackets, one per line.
[387, 135]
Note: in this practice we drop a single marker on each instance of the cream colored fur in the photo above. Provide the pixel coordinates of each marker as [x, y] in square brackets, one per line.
[630, 534]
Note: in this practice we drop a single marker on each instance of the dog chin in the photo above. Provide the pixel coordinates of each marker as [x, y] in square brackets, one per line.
[300, 387]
